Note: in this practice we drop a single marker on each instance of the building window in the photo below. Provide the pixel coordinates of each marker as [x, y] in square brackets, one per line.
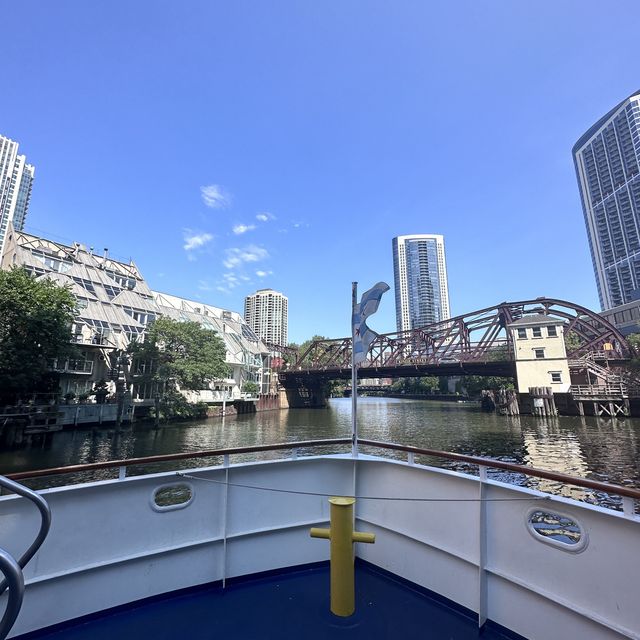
[536, 332]
[522, 334]
[556, 376]
[552, 331]
[538, 353]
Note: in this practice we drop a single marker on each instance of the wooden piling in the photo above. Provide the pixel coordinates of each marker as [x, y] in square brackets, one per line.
[542, 402]
[507, 402]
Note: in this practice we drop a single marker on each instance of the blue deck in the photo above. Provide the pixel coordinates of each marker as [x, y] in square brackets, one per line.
[292, 604]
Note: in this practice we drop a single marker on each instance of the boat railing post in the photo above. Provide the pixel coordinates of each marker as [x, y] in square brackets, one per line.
[294, 453]
[411, 458]
[225, 519]
[482, 547]
[122, 472]
[628, 506]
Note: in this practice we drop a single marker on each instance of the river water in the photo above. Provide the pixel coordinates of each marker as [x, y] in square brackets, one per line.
[596, 448]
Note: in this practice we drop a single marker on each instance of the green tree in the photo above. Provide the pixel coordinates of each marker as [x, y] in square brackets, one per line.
[634, 342]
[250, 387]
[423, 385]
[475, 384]
[183, 354]
[289, 357]
[35, 329]
[572, 341]
[315, 357]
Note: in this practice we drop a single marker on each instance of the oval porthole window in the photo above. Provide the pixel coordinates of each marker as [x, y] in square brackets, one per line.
[172, 496]
[556, 529]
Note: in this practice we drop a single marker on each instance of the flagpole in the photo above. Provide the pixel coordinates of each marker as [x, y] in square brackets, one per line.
[354, 375]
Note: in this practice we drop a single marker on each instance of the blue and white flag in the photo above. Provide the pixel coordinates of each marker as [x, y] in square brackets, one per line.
[362, 335]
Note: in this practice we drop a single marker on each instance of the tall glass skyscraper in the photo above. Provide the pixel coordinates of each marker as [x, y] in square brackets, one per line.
[607, 157]
[420, 274]
[16, 179]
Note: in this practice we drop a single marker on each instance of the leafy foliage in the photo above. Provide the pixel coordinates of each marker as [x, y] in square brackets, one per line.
[426, 384]
[572, 341]
[633, 366]
[184, 354]
[634, 341]
[35, 328]
[175, 406]
[475, 384]
[317, 357]
[250, 387]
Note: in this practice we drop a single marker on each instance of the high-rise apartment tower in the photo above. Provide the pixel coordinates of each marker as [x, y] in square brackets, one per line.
[16, 179]
[266, 312]
[420, 274]
[607, 158]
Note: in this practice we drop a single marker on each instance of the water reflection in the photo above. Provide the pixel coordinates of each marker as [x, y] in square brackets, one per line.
[597, 448]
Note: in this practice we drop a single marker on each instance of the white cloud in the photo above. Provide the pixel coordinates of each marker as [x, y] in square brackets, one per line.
[263, 274]
[203, 285]
[194, 240]
[214, 196]
[265, 216]
[229, 282]
[236, 257]
[243, 228]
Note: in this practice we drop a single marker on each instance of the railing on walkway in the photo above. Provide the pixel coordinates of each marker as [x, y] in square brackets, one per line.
[121, 465]
[599, 391]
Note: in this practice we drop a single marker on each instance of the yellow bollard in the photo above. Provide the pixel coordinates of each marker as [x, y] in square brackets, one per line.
[342, 537]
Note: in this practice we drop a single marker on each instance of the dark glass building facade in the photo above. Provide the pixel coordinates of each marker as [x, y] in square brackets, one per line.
[607, 159]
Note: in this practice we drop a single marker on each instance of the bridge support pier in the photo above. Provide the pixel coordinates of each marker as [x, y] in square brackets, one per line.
[307, 395]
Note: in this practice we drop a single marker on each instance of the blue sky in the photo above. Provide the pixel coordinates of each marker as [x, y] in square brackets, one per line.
[231, 146]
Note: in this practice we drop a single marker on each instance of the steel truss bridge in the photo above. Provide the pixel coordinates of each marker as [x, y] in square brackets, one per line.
[475, 343]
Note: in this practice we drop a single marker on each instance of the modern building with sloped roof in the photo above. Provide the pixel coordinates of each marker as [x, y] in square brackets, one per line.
[115, 307]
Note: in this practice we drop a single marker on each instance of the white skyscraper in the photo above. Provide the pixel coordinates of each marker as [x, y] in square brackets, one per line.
[266, 312]
[420, 274]
[16, 179]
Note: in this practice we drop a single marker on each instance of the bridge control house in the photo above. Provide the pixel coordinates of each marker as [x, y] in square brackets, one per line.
[540, 353]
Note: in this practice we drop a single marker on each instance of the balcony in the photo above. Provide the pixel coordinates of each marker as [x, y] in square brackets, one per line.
[83, 367]
[79, 366]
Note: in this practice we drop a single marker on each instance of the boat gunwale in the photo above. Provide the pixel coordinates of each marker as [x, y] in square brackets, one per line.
[535, 472]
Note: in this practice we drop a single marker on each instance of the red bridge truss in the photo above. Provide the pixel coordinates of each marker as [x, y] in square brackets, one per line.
[476, 342]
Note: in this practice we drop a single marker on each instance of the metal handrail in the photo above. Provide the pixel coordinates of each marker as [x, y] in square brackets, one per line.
[458, 457]
[170, 457]
[508, 466]
[45, 520]
[14, 578]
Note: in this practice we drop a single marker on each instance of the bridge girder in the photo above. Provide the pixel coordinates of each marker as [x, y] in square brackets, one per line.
[471, 341]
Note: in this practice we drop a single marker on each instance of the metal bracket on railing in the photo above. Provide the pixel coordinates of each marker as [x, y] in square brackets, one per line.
[14, 578]
[45, 520]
